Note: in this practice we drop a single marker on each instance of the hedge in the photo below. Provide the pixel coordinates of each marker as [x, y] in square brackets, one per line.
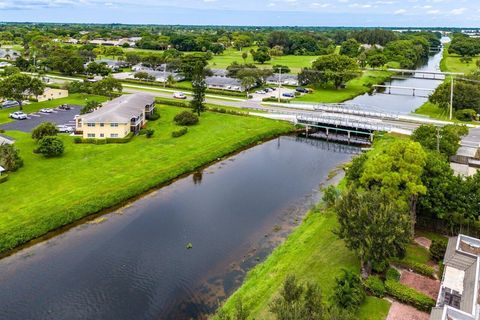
[126, 139]
[409, 296]
[416, 267]
[375, 286]
[437, 249]
[3, 178]
[276, 100]
[179, 133]
[392, 274]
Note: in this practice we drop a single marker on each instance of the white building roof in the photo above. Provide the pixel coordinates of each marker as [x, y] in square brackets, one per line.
[120, 110]
[2, 169]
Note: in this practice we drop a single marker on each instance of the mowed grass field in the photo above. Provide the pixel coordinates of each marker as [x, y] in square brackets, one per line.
[48, 193]
[354, 88]
[76, 99]
[312, 253]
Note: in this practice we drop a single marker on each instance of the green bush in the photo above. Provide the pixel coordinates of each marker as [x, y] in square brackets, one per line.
[149, 133]
[3, 178]
[437, 249]
[416, 267]
[179, 133]
[77, 140]
[409, 296]
[348, 292]
[43, 130]
[375, 286]
[174, 103]
[50, 147]
[330, 196]
[10, 157]
[466, 115]
[392, 274]
[126, 139]
[154, 116]
[186, 118]
[275, 100]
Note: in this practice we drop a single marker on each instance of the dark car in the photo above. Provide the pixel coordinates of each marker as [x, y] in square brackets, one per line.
[301, 90]
[65, 107]
[288, 95]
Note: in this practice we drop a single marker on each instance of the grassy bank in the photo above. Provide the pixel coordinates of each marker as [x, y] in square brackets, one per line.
[313, 253]
[354, 88]
[76, 99]
[48, 193]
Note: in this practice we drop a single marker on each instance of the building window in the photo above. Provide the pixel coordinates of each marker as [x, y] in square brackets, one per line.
[102, 135]
[91, 135]
[114, 124]
[102, 124]
[90, 124]
[113, 135]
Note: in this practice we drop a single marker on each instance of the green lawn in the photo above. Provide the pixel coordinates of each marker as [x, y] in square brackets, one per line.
[354, 88]
[416, 253]
[433, 111]
[76, 98]
[48, 193]
[313, 253]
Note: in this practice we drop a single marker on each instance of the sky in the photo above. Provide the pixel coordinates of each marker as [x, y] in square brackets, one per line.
[369, 13]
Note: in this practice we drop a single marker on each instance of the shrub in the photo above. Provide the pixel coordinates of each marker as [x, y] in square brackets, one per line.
[375, 286]
[10, 157]
[348, 292]
[437, 249]
[50, 147]
[179, 133]
[149, 133]
[174, 103]
[330, 196]
[392, 274]
[186, 118]
[43, 130]
[3, 178]
[77, 140]
[271, 99]
[409, 296]
[466, 115]
[154, 116]
[416, 267]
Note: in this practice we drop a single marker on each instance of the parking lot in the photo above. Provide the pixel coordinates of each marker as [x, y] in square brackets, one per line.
[58, 117]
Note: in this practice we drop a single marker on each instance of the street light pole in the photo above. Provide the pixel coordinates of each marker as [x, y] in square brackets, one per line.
[279, 83]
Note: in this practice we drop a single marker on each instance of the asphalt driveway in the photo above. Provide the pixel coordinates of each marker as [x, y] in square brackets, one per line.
[58, 117]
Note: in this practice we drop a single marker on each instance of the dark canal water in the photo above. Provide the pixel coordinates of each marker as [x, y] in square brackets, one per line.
[402, 101]
[133, 263]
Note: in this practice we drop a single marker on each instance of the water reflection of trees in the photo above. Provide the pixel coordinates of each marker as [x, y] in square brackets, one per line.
[197, 177]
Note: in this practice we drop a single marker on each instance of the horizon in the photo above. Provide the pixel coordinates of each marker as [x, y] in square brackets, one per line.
[271, 13]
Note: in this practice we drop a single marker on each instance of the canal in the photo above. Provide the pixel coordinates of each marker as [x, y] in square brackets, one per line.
[176, 252]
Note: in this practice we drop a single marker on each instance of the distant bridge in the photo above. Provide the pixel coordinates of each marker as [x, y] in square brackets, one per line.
[413, 89]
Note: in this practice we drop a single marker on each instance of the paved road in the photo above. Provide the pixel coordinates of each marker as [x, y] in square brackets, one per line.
[59, 117]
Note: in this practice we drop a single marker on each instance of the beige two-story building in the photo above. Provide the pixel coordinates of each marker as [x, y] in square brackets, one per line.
[51, 94]
[117, 118]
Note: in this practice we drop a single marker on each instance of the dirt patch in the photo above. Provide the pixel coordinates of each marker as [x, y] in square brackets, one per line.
[400, 311]
[420, 283]
[424, 242]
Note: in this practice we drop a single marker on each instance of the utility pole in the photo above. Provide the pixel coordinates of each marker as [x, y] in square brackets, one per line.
[279, 83]
[451, 98]
[438, 139]
[164, 75]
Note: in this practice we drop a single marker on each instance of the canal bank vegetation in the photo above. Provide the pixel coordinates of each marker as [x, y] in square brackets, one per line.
[461, 55]
[366, 227]
[46, 194]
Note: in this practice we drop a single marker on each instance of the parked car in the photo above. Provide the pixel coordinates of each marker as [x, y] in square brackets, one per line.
[46, 110]
[65, 107]
[18, 115]
[301, 90]
[260, 92]
[64, 129]
[10, 104]
[179, 95]
[288, 95]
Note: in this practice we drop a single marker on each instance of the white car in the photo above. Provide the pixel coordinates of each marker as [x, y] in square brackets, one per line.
[64, 129]
[260, 92]
[179, 95]
[18, 115]
[46, 110]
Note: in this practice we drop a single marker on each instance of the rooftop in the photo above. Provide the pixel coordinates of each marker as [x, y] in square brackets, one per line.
[121, 109]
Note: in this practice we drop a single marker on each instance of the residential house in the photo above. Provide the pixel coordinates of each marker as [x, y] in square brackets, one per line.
[52, 94]
[285, 79]
[224, 83]
[117, 118]
[9, 54]
[458, 298]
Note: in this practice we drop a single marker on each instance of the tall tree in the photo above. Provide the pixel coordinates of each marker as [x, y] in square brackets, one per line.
[248, 82]
[373, 225]
[20, 87]
[334, 68]
[199, 86]
[107, 87]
